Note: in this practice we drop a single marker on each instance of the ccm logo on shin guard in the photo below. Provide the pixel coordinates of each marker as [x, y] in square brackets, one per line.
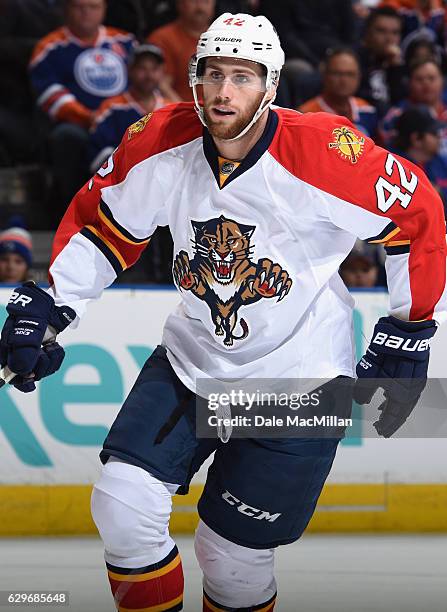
[250, 511]
[405, 344]
[19, 298]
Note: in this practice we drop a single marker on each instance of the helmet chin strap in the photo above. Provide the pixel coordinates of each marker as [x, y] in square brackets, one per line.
[261, 109]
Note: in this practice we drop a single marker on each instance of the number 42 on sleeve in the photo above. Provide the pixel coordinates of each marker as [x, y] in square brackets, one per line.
[389, 193]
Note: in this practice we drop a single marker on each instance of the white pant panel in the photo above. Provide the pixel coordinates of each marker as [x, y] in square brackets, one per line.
[131, 509]
[234, 575]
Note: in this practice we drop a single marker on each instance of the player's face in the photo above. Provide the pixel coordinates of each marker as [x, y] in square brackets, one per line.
[85, 16]
[232, 93]
[146, 74]
[426, 84]
[342, 76]
[13, 268]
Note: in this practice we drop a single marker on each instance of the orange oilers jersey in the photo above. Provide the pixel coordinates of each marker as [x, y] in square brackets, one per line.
[256, 256]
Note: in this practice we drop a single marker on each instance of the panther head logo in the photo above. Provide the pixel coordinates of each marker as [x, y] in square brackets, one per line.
[224, 244]
[222, 273]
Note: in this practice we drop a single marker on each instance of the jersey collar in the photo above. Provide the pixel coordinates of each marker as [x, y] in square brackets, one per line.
[212, 155]
[100, 37]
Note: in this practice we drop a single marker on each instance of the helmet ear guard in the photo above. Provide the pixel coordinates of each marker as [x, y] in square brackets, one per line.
[193, 70]
[275, 78]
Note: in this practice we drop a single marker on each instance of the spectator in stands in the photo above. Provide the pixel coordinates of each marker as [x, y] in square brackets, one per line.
[73, 70]
[15, 255]
[381, 62]
[422, 49]
[418, 138]
[341, 78]
[362, 8]
[425, 88]
[359, 270]
[178, 41]
[308, 28]
[22, 24]
[116, 114]
[420, 17]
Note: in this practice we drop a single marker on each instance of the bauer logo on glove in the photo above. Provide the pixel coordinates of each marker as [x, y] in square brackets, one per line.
[396, 361]
[27, 344]
[19, 298]
[396, 342]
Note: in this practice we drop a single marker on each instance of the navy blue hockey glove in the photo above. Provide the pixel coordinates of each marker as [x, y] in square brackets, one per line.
[396, 361]
[27, 343]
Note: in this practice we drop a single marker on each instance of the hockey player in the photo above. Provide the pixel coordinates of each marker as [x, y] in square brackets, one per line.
[263, 204]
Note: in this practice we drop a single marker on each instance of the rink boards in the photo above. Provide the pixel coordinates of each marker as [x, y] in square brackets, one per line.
[49, 440]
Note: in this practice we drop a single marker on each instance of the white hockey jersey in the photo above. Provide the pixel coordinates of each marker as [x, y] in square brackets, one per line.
[256, 259]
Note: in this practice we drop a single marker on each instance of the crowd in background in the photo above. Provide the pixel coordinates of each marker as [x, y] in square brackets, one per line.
[74, 74]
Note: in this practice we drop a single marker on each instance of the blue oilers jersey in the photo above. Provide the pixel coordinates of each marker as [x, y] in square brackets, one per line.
[112, 119]
[68, 74]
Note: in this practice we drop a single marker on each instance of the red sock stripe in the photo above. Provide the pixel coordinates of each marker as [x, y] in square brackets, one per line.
[160, 588]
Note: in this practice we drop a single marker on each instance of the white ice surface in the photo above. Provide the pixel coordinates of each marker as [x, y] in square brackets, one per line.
[316, 574]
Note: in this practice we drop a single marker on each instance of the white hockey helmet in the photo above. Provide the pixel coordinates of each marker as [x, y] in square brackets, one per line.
[243, 37]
